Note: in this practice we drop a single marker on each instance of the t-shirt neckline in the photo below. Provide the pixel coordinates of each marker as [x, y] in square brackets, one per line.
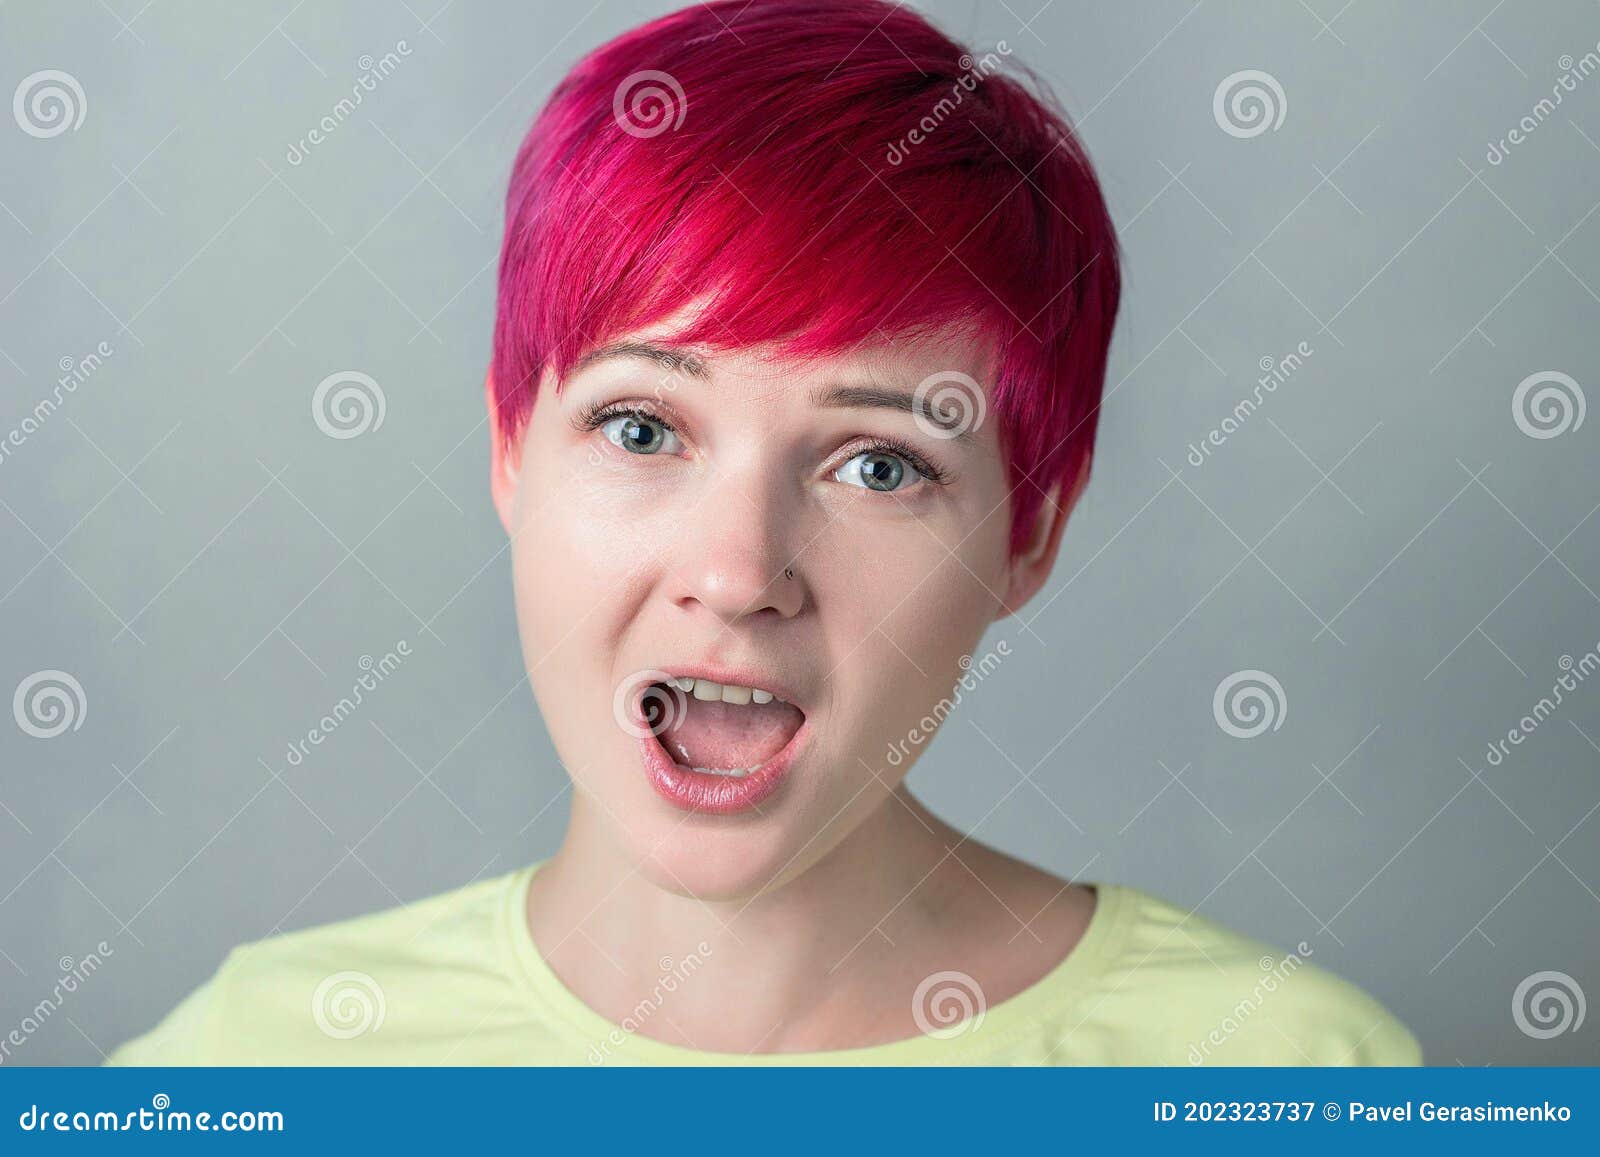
[1068, 981]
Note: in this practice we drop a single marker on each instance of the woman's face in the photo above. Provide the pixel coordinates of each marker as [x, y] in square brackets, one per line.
[800, 533]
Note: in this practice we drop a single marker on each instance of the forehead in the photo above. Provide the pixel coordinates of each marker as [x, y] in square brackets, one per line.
[887, 361]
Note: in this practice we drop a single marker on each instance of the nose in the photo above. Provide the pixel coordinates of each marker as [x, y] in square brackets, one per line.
[737, 557]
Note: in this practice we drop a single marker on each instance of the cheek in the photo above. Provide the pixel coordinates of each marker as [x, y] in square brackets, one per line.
[580, 547]
[567, 581]
[905, 620]
[548, 566]
[582, 562]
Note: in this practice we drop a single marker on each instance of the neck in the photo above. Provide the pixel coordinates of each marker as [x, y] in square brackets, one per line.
[817, 962]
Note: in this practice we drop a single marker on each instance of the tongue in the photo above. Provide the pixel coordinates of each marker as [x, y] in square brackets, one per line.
[727, 735]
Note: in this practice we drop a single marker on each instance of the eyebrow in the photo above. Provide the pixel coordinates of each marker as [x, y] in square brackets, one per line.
[833, 397]
[879, 398]
[665, 357]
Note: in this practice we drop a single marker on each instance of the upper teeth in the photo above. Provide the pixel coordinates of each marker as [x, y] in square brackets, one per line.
[711, 691]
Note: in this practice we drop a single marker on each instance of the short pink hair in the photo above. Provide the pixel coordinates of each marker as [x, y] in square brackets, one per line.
[821, 173]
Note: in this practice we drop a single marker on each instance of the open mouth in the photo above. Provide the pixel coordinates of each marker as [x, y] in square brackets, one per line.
[717, 747]
[720, 728]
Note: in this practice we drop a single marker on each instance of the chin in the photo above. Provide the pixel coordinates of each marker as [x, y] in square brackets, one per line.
[713, 861]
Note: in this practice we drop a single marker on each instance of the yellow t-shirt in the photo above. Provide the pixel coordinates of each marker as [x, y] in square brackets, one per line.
[456, 979]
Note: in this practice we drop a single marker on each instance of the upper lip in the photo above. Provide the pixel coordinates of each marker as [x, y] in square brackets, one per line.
[738, 676]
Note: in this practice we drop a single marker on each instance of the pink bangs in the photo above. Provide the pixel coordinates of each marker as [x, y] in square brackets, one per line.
[820, 175]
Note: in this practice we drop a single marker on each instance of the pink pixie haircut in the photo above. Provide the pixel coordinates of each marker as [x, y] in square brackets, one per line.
[819, 174]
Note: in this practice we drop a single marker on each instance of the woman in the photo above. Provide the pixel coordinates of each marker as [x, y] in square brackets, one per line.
[803, 322]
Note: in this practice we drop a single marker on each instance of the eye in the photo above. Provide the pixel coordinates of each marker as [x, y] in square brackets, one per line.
[878, 470]
[641, 434]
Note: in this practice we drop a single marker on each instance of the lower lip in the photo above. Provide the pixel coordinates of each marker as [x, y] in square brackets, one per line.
[696, 791]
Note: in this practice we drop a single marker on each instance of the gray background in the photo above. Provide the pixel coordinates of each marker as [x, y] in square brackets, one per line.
[1380, 536]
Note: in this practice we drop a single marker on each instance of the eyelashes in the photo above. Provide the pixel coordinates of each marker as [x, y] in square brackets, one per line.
[592, 415]
[889, 445]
